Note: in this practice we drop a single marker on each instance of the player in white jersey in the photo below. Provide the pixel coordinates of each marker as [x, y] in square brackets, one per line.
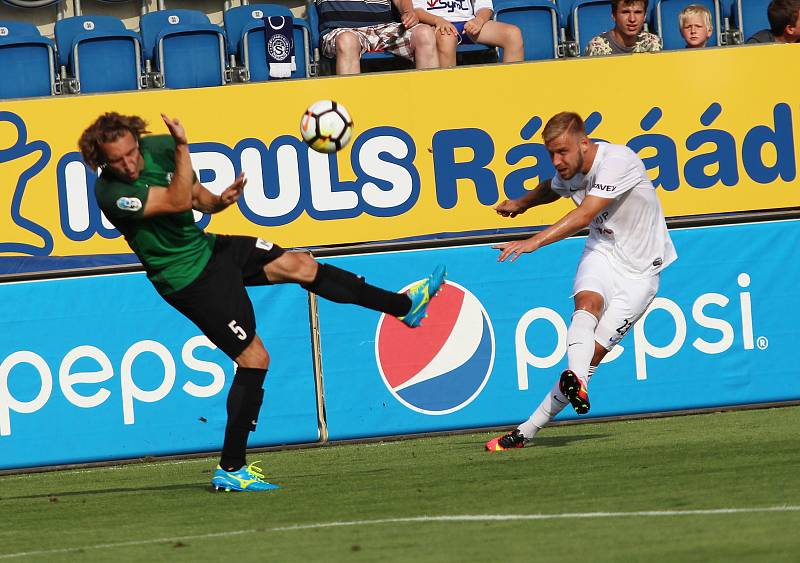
[618, 274]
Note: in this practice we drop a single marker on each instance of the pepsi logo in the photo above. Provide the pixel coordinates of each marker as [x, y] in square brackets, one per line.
[441, 366]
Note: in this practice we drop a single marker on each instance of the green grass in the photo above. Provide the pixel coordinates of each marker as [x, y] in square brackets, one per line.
[157, 511]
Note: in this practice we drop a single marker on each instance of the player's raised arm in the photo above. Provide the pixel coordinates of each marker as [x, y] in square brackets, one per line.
[177, 196]
[540, 195]
[206, 202]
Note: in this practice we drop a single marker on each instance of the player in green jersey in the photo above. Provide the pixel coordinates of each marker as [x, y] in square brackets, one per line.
[147, 189]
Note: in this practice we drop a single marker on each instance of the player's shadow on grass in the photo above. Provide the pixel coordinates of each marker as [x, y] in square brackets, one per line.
[53, 497]
[553, 441]
[559, 441]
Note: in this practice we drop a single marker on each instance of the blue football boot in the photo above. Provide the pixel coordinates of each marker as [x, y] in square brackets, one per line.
[420, 296]
[249, 479]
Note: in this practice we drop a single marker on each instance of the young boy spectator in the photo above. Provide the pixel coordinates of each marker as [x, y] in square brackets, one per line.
[784, 23]
[468, 22]
[350, 28]
[627, 35]
[695, 25]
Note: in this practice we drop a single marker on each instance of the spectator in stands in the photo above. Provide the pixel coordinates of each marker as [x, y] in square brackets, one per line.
[784, 23]
[695, 24]
[627, 35]
[350, 28]
[468, 22]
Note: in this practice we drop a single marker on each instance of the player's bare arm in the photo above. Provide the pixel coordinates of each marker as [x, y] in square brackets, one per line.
[540, 195]
[574, 221]
[207, 202]
[176, 197]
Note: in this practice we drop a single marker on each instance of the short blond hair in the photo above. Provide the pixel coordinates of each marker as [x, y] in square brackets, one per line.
[564, 122]
[695, 10]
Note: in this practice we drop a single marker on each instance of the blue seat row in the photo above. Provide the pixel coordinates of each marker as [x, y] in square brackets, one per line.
[177, 49]
[182, 49]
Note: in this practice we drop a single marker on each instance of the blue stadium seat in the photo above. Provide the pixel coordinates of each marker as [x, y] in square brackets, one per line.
[244, 28]
[185, 46]
[588, 18]
[100, 53]
[27, 61]
[750, 16]
[539, 21]
[665, 21]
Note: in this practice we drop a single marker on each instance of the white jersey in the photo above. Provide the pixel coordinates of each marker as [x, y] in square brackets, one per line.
[454, 10]
[631, 232]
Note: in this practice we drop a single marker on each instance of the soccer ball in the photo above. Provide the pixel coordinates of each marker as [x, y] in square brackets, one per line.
[326, 126]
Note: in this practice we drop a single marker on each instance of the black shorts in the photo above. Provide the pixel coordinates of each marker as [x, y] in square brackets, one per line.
[217, 301]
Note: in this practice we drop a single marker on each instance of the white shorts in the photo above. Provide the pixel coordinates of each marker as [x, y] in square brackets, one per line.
[624, 299]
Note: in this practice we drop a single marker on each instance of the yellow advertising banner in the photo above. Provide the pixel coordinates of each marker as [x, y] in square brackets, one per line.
[432, 152]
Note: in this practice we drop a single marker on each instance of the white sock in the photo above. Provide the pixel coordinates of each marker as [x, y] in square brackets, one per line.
[580, 343]
[552, 404]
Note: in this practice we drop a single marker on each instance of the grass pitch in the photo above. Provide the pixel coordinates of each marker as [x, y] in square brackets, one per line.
[715, 487]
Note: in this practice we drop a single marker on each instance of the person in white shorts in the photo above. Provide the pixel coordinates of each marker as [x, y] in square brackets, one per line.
[627, 248]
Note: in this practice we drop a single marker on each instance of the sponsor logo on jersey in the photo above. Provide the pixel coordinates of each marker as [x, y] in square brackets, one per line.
[604, 187]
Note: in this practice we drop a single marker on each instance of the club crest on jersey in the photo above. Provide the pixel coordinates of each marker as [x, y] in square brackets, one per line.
[129, 203]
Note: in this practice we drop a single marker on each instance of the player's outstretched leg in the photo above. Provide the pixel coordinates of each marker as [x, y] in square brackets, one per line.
[420, 296]
[575, 389]
[513, 439]
[341, 286]
[248, 478]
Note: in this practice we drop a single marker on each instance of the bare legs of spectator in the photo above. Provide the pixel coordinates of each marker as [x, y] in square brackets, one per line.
[507, 37]
[446, 44]
[497, 34]
[423, 44]
[348, 54]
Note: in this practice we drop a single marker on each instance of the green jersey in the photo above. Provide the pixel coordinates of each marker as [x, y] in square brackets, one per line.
[171, 247]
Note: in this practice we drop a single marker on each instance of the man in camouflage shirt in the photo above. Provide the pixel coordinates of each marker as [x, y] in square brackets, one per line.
[627, 35]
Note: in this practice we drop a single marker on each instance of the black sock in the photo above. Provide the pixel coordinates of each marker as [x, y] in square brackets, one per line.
[244, 402]
[389, 302]
[341, 286]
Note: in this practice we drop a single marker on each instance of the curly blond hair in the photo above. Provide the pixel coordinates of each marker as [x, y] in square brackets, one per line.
[108, 128]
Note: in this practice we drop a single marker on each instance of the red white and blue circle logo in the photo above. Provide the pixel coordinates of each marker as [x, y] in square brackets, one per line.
[441, 366]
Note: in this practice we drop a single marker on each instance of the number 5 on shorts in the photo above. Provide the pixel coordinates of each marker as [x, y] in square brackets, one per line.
[237, 330]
